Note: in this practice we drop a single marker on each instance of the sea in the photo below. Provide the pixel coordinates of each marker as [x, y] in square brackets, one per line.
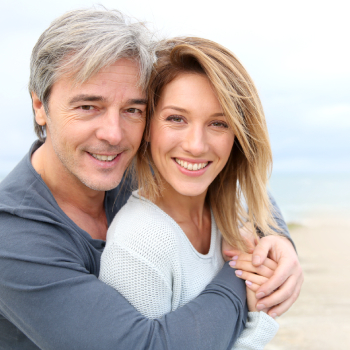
[306, 196]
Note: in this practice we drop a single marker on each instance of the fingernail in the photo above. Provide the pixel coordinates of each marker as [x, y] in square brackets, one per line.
[261, 307]
[260, 295]
[256, 260]
[248, 283]
[238, 272]
[232, 263]
[235, 257]
[273, 315]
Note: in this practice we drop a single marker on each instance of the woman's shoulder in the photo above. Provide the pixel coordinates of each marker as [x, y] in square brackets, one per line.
[141, 223]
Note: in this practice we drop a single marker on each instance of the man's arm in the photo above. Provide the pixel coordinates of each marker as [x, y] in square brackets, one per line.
[281, 291]
[47, 292]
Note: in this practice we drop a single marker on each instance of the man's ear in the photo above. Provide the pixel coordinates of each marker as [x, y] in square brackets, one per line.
[38, 107]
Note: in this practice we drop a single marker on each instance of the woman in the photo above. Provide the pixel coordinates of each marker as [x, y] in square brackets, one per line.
[205, 147]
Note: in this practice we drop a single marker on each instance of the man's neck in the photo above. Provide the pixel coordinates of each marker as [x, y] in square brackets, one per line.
[84, 206]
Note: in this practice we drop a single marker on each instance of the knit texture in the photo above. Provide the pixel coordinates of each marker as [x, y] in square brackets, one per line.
[152, 263]
[259, 330]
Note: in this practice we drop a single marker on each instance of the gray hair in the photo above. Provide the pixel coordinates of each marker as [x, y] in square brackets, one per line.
[80, 43]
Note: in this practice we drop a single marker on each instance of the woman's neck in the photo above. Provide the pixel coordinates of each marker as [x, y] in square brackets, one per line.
[192, 214]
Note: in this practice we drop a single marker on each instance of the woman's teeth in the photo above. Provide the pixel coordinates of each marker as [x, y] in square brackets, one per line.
[103, 158]
[191, 166]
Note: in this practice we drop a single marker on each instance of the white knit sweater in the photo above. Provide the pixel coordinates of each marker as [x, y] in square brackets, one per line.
[151, 262]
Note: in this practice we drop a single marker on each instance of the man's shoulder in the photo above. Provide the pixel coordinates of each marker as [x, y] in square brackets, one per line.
[30, 218]
[20, 184]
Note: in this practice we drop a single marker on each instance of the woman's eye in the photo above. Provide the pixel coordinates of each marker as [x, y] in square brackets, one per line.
[220, 124]
[175, 118]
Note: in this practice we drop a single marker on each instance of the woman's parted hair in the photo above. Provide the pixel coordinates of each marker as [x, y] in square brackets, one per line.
[248, 168]
[83, 41]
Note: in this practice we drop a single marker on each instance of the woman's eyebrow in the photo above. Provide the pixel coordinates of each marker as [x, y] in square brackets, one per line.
[220, 114]
[182, 110]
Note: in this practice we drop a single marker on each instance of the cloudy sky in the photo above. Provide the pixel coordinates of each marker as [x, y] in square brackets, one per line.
[296, 51]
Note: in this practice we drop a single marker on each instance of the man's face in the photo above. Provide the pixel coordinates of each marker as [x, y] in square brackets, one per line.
[95, 129]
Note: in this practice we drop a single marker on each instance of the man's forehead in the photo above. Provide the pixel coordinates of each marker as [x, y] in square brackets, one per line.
[124, 74]
[123, 71]
[127, 69]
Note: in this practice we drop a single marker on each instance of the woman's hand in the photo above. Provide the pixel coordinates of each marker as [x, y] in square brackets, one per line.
[279, 292]
[254, 276]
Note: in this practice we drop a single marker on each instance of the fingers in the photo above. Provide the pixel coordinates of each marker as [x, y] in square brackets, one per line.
[248, 257]
[248, 267]
[251, 300]
[284, 293]
[287, 267]
[280, 309]
[251, 277]
[261, 251]
[232, 253]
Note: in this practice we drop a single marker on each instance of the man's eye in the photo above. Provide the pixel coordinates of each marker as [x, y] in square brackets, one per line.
[133, 110]
[87, 107]
[175, 118]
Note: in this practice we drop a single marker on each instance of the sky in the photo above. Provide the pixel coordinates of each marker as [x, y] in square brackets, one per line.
[297, 52]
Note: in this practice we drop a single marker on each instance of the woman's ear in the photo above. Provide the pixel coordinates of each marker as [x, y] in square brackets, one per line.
[39, 110]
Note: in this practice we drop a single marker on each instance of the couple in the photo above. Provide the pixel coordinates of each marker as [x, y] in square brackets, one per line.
[89, 72]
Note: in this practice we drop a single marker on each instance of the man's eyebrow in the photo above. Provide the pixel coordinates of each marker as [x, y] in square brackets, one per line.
[136, 101]
[86, 98]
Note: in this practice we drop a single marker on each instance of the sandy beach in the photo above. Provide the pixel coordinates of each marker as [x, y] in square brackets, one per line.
[320, 319]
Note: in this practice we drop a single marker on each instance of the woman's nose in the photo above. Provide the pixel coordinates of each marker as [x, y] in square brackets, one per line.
[196, 142]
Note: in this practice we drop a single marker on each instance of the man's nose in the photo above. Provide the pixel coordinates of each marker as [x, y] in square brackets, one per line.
[196, 141]
[110, 128]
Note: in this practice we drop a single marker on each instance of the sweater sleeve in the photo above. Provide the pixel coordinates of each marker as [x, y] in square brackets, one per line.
[277, 215]
[139, 280]
[259, 331]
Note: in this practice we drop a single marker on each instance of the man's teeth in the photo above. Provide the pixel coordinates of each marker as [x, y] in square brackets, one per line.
[103, 158]
[191, 166]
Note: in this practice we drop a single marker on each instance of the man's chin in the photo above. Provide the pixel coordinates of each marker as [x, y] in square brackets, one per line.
[101, 186]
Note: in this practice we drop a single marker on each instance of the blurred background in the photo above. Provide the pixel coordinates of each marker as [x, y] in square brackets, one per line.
[298, 55]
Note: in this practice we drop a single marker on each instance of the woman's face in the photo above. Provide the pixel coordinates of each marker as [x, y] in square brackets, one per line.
[190, 138]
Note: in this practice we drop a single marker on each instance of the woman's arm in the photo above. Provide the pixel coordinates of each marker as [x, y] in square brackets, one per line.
[144, 283]
[260, 327]
[281, 291]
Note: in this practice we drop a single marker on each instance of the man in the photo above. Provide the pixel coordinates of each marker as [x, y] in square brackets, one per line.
[89, 70]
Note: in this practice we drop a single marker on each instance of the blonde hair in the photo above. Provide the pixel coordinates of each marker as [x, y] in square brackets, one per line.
[248, 167]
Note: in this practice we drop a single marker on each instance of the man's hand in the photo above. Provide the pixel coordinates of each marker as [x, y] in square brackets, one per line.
[283, 287]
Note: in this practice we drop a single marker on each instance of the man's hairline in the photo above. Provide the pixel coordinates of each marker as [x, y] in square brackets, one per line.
[73, 76]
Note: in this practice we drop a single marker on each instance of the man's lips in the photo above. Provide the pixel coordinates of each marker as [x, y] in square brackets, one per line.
[104, 157]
